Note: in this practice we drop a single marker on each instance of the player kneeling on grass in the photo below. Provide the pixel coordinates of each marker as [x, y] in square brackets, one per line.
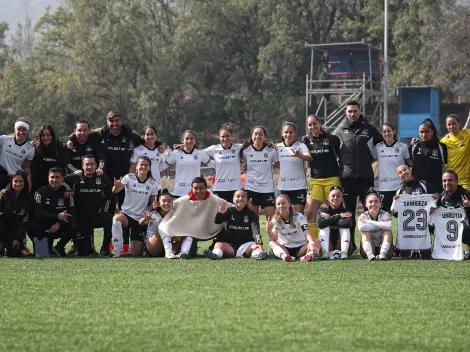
[141, 189]
[154, 245]
[376, 229]
[288, 232]
[241, 237]
[334, 222]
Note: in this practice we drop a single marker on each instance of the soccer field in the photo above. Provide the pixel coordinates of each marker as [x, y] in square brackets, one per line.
[232, 305]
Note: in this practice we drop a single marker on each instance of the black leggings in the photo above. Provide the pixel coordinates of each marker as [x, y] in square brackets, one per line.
[353, 188]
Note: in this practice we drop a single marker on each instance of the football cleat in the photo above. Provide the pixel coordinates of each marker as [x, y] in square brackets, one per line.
[117, 254]
[344, 256]
[184, 255]
[25, 252]
[259, 256]
[371, 256]
[289, 258]
[212, 255]
[325, 256]
[381, 257]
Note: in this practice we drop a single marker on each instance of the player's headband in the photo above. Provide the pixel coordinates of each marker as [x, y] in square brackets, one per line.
[372, 192]
[21, 124]
[336, 188]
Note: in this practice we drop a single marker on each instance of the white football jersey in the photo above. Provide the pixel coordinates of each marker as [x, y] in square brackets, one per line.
[138, 195]
[292, 171]
[227, 167]
[413, 218]
[259, 169]
[388, 159]
[292, 236]
[187, 167]
[12, 155]
[448, 229]
[376, 227]
[158, 160]
[155, 220]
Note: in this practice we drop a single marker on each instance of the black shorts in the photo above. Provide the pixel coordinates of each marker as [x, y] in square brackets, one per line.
[386, 197]
[261, 199]
[225, 195]
[297, 196]
[137, 232]
[294, 252]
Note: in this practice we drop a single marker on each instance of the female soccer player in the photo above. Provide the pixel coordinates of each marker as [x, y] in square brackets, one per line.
[155, 246]
[411, 186]
[241, 238]
[151, 150]
[292, 154]
[14, 211]
[324, 168]
[457, 141]
[49, 152]
[16, 153]
[141, 188]
[226, 157]
[288, 233]
[187, 163]
[335, 222]
[389, 154]
[429, 156]
[259, 160]
[376, 229]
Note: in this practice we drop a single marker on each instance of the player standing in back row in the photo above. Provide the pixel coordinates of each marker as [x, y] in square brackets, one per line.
[358, 138]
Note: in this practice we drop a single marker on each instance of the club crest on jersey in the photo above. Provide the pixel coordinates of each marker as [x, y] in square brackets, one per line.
[245, 218]
[124, 139]
[60, 202]
[435, 153]
[265, 155]
[397, 150]
[88, 149]
[326, 142]
[233, 151]
[98, 180]
[195, 157]
[147, 187]
[462, 138]
[23, 151]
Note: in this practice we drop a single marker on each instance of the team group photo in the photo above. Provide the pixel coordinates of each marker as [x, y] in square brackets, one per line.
[234, 175]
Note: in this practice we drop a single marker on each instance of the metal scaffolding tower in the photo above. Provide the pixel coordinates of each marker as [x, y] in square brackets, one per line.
[349, 71]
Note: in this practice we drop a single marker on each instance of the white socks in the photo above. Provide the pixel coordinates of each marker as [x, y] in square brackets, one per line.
[384, 249]
[366, 245]
[345, 236]
[186, 244]
[324, 236]
[218, 252]
[278, 252]
[167, 244]
[117, 235]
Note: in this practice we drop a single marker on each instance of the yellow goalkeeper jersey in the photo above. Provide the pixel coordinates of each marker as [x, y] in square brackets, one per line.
[458, 155]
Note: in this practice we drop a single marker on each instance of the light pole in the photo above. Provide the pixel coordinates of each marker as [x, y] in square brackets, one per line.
[386, 61]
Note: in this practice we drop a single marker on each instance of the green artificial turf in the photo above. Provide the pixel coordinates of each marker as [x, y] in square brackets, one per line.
[147, 304]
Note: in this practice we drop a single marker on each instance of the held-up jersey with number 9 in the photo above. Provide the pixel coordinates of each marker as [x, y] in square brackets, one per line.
[413, 214]
[448, 229]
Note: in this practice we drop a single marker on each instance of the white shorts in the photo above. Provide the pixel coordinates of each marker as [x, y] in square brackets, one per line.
[242, 249]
